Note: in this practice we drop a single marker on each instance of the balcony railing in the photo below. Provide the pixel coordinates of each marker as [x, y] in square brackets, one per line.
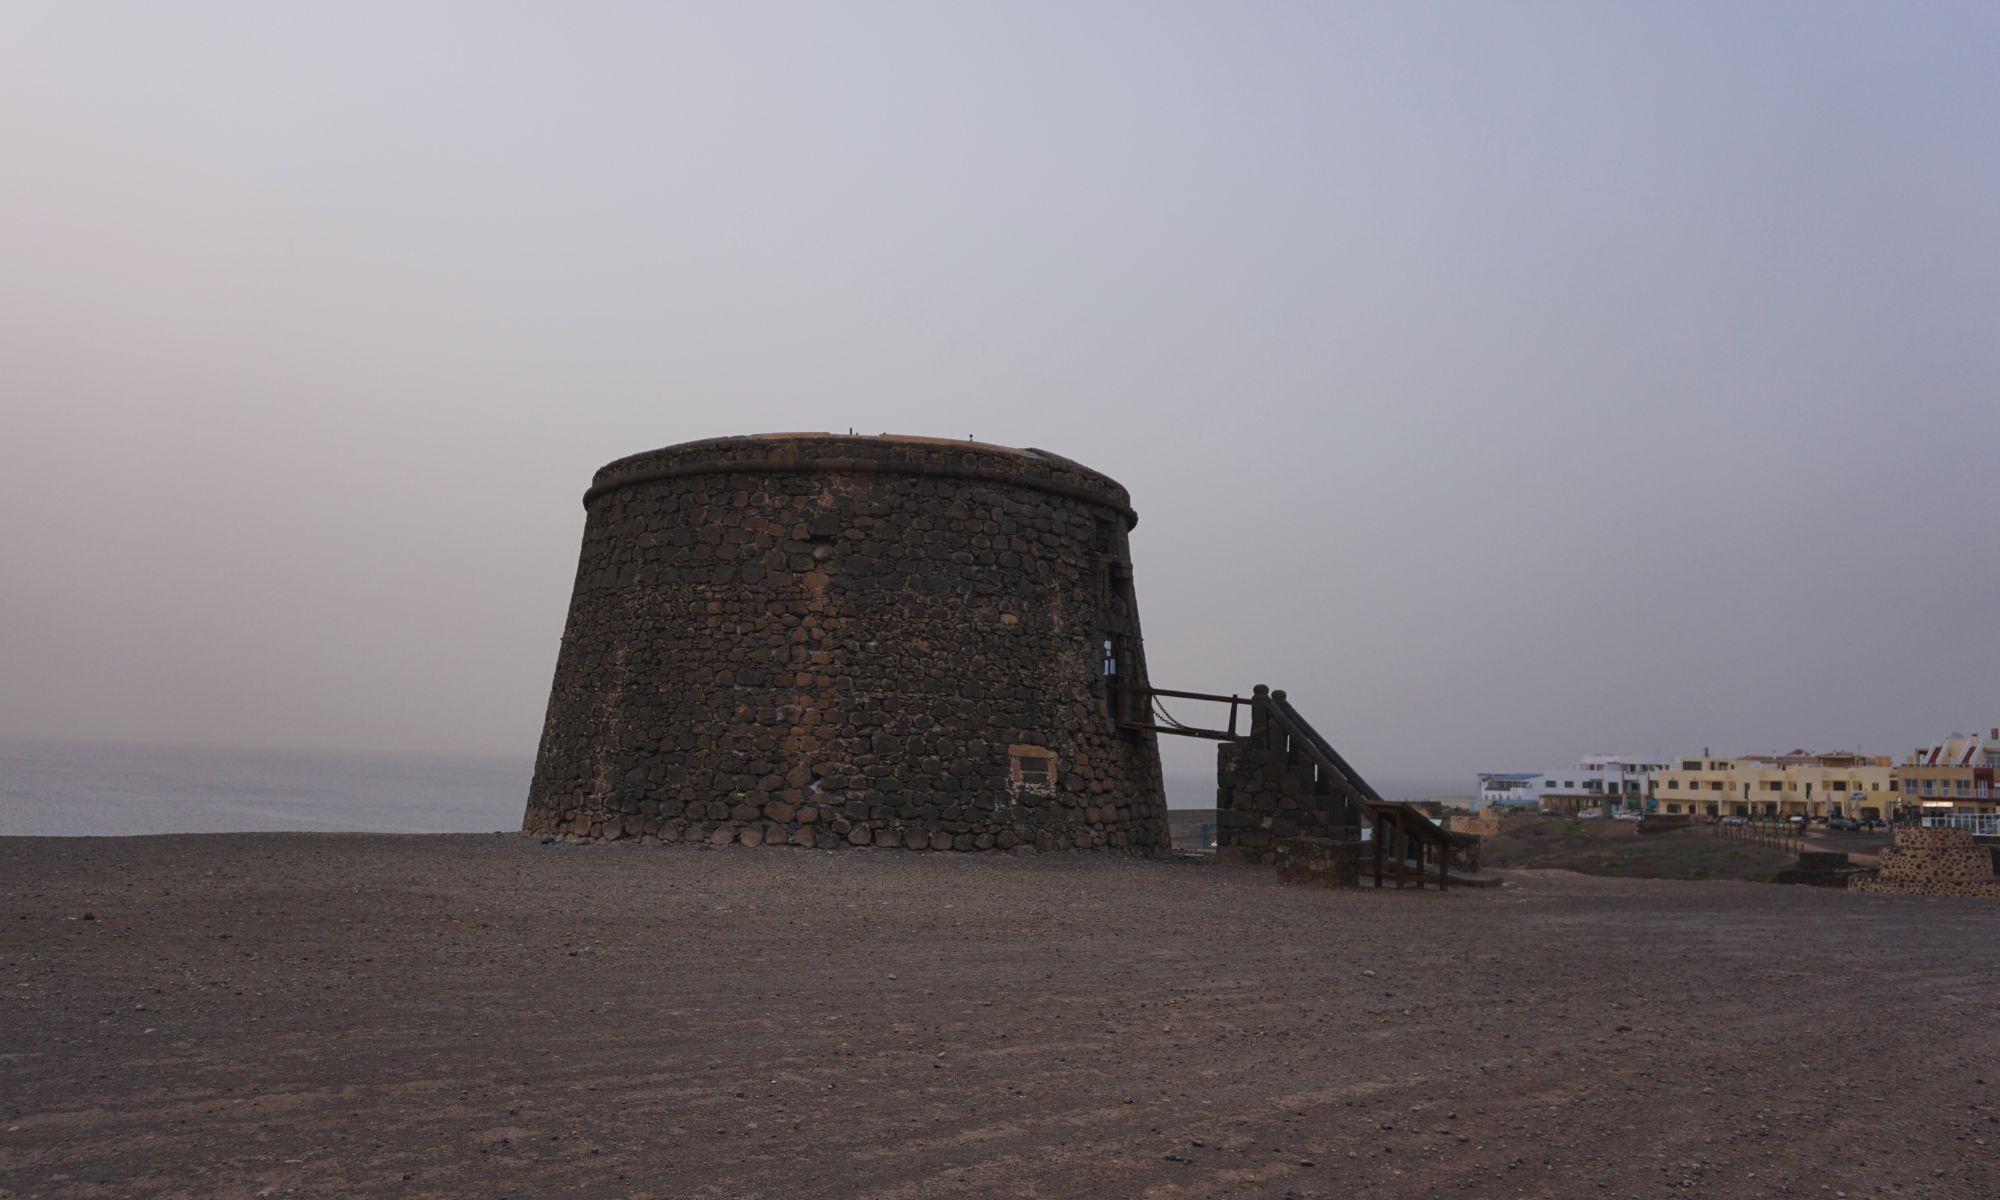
[1981, 824]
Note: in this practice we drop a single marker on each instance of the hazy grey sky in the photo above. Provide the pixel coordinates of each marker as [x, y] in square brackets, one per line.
[1510, 382]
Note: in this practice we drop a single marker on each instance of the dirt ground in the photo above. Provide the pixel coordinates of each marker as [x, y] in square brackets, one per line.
[1698, 852]
[1618, 848]
[338, 1015]
[1862, 849]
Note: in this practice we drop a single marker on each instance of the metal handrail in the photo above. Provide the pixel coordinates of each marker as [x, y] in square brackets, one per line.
[1126, 696]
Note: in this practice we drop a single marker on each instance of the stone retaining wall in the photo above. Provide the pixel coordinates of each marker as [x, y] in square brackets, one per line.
[1821, 868]
[1932, 862]
[1318, 861]
[1482, 825]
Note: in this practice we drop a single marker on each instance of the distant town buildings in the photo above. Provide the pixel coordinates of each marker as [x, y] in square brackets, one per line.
[1616, 780]
[1954, 776]
[1608, 781]
[1509, 789]
[1798, 784]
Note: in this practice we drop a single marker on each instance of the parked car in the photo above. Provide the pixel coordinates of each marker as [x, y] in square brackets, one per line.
[1843, 825]
[1735, 820]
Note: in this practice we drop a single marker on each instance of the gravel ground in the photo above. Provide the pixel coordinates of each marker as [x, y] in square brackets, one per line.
[481, 1016]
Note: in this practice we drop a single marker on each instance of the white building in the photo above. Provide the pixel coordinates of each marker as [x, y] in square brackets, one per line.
[1608, 781]
[1509, 789]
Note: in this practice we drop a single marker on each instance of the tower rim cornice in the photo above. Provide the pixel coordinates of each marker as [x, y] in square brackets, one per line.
[897, 454]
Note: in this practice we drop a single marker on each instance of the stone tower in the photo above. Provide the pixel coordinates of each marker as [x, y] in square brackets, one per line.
[814, 640]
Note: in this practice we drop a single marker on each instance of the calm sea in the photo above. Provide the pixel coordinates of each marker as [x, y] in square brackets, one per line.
[64, 789]
[70, 789]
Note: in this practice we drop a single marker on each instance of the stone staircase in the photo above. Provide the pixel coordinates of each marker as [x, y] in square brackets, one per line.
[1286, 798]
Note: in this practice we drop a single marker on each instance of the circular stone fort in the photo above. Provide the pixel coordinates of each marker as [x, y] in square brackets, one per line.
[826, 641]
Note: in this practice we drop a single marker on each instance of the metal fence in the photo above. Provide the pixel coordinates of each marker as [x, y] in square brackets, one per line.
[1981, 824]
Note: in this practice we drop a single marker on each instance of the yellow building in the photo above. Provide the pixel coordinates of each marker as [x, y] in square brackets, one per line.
[1954, 776]
[1695, 786]
[1798, 784]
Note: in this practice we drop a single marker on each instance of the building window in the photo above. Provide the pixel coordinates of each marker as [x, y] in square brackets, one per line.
[1690, 766]
[1773, 786]
[1965, 787]
[1909, 787]
[1930, 787]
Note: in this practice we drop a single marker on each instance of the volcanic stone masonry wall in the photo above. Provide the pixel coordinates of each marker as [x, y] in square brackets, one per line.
[827, 641]
[1264, 800]
[1932, 862]
[1483, 824]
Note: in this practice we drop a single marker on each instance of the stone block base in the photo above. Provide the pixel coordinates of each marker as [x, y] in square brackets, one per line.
[1319, 862]
[807, 827]
[1933, 862]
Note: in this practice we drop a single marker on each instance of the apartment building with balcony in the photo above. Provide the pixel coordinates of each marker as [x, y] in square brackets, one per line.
[1953, 776]
[1796, 784]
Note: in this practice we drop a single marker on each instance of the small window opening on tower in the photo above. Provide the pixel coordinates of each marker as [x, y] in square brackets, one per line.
[1118, 587]
[1031, 766]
